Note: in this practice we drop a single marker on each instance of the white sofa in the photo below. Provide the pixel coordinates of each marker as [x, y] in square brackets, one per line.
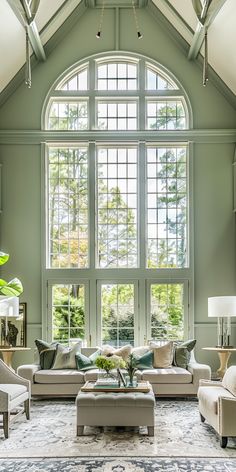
[172, 381]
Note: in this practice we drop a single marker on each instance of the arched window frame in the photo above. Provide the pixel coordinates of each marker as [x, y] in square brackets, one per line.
[141, 275]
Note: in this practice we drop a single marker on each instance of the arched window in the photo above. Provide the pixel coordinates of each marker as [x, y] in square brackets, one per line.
[117, 194]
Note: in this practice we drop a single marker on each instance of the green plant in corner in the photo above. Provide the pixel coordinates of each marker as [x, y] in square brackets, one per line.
[9, 289]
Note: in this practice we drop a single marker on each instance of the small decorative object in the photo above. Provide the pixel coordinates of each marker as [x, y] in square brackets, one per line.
[131, 367]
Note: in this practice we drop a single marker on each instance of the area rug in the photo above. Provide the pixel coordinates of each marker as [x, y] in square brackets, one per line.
[51, 433]
[119, 465]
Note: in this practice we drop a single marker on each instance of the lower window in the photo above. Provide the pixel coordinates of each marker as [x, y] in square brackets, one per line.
[68, 313]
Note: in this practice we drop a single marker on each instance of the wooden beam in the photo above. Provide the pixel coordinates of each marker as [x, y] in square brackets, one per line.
[34, 37]
[199, 34]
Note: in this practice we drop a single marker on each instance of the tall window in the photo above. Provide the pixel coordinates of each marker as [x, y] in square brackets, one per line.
[117, 201]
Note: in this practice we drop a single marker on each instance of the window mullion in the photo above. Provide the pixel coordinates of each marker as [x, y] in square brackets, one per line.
[142, 206]
[92, 206]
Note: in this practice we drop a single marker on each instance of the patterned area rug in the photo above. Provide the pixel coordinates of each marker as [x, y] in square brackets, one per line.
[51, 433]
[119, 465]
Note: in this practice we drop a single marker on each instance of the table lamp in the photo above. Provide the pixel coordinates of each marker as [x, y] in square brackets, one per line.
[222, 308]
[9, 306]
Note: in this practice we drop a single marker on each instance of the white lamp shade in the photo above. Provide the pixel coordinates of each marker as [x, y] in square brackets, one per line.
[221, 306]
[9, 306]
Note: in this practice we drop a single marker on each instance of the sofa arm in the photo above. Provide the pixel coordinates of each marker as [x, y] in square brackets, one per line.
[199, 371]
[227, 415]
[27, 371]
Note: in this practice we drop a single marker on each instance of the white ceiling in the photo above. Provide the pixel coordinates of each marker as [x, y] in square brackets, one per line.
[221, 34]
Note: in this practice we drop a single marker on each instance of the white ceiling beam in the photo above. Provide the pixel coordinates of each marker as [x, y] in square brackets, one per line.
[34, 36]
[206, 20]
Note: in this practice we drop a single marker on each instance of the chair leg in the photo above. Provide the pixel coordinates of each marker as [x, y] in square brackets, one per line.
[223, 441]
[202, 418]
[6, 421]
[27, 408]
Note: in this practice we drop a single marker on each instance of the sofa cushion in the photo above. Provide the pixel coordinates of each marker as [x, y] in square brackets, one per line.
[140, 350]
[163, 355]
[65, 357]
[145, 361]
[229, 380]
[171, 375]
[46, 353]
[63, 376]
[209, 396]
[123, 351]
[86, 363]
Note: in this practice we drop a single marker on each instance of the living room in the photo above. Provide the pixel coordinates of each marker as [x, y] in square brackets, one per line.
[117, 211]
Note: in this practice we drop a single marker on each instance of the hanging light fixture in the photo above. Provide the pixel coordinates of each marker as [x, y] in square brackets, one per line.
[139, 34]
[99, 33]
[28, 65]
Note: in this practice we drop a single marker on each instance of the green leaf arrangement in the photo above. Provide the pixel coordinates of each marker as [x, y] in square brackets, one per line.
[109, 363]
[9, 289]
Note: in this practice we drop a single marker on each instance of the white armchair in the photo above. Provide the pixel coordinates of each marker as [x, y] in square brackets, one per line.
[14, 390]
[217, 404]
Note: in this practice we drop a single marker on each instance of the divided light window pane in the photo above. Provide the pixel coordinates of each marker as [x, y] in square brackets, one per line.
[117, 207]
[167, 207]
[117, 115]
[68, 115]
[117, 76]
[68, 313]
[78, 81]
[165, 114]
[167, 311]
[68, 207]
[117, 307]
[155, 81]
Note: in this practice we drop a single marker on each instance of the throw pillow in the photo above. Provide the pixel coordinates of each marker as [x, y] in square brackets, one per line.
[46, 353]
[163, 355]
[182, 353]
[140, 350]
[86, 363]
[145, 361]
[65, 358]
[123, 351]
[229, 380]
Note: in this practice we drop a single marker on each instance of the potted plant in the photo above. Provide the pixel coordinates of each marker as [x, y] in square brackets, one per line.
[9, 289]
[131, 367]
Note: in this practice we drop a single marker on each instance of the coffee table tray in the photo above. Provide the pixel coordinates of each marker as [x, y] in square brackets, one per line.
[142, 387]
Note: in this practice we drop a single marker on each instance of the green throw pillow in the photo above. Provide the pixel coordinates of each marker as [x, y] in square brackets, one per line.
[145, 361]
[86, 363]
[182, 353]
[46, 353]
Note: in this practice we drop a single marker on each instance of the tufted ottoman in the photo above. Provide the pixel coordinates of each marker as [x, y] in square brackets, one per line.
[115, 409]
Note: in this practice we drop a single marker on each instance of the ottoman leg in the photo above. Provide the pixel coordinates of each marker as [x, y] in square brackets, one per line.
[80, 430]
[150, 430]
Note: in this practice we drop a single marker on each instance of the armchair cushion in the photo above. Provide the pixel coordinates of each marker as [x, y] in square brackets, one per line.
[13, 390]
[209, 398]
[229, 380]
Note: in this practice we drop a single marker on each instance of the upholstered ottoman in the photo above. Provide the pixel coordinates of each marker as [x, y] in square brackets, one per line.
[115, 409]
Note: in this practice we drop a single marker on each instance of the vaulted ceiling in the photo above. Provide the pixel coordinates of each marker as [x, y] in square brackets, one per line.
[219, 20]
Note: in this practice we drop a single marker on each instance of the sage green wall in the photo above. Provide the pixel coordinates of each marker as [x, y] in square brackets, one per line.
[214, 233]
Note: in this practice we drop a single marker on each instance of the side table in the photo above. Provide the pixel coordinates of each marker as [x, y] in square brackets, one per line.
[8, 352]
[224, 354]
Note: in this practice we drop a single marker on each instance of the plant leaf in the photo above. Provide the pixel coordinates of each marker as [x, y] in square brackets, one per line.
[12, 288]
[3, 258]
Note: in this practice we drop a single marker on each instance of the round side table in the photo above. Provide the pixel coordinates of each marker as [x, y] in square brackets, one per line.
[224, 354]
[8, 352]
